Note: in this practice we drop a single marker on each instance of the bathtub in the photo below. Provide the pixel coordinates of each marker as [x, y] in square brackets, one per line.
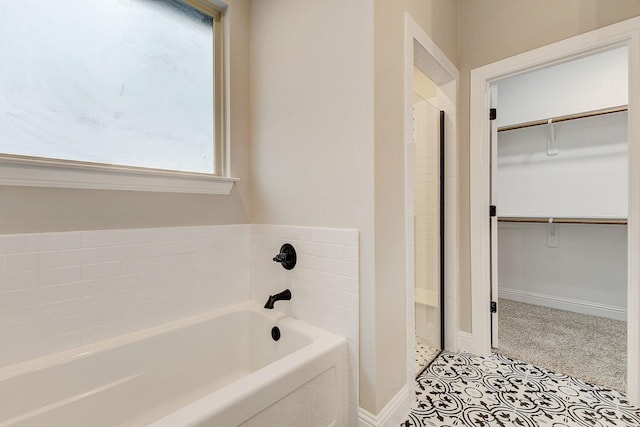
[221, 368]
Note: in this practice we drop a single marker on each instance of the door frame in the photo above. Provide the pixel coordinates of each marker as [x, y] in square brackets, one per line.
[435, 65]
[625, 33]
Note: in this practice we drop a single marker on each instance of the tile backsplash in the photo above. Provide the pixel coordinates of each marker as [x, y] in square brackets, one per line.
[324, 283]
[62, 290]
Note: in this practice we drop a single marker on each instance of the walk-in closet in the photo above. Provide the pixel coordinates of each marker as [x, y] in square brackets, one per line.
[560, 188]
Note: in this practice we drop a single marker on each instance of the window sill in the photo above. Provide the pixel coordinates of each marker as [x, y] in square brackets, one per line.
[31, 172]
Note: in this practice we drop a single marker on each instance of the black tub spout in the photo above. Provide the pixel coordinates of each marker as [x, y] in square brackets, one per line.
[282, 296]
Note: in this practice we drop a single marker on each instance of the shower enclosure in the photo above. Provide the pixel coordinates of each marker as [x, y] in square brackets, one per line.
[428, 230]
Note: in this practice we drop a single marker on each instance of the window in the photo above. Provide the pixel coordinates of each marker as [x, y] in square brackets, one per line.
[130, 83]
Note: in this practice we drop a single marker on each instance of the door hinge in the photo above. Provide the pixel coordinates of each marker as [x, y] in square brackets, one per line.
[493, 306]
[492, 210]
[493, 114]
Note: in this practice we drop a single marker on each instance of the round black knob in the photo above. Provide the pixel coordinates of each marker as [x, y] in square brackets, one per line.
[287, 256]
[275, 333]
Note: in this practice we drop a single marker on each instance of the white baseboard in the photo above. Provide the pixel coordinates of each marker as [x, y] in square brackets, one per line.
[560, 303]
[465, 342]
[395, 412]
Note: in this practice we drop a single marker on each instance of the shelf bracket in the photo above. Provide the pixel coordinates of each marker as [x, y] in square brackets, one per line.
[552, 143]
[553, 234]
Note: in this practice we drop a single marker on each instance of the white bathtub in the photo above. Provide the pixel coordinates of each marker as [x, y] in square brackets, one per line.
[218, 369]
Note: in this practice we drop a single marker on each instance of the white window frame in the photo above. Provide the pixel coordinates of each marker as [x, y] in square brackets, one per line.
[53, 173]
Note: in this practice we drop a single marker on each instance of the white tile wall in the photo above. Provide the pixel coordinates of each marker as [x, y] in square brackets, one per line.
[324, 284]
[61, 290]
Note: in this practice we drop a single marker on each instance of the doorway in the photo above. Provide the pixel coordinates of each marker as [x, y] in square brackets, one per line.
[559, 236]
[626, 33]
[422, 53]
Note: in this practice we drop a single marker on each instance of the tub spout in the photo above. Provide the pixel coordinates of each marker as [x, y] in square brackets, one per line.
[282, 296]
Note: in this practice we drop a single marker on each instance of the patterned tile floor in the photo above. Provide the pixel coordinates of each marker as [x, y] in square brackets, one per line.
[425, 353]
[461, 389]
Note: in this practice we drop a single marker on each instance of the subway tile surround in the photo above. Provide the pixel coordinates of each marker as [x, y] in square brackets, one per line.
[324, 283]
[62, 290]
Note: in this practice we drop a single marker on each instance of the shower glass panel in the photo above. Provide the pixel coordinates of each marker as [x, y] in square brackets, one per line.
[427, 202]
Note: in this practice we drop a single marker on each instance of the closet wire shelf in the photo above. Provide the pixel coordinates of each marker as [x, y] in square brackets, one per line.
[555, 220]
[564, 118]
[565, 220]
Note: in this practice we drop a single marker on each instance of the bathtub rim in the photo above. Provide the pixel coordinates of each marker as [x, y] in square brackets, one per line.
[317, 335]
[305, 364]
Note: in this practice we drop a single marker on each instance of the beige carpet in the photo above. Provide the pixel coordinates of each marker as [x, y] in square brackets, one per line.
[593, 349]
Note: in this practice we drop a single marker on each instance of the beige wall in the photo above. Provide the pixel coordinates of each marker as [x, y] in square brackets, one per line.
[438, 19]
[312, 130]
[32, 210]
[313, 145]
[491, 30]
[27, 209]
[311, 112]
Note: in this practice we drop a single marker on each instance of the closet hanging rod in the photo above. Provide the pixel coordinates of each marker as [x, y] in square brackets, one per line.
[565, 118]
[603, 221]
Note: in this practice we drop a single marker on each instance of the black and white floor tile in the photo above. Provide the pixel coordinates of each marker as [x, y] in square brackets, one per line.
[460, 389]
[425, 353]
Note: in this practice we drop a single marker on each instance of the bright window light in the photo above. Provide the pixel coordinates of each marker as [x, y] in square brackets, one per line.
[116, 82]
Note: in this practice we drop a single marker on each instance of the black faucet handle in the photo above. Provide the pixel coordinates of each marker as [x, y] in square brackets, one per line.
[281, 257]
[287, 256]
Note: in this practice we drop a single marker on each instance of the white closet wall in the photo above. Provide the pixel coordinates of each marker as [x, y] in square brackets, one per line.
[585, 84]
[586, 271]
[587, 178]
